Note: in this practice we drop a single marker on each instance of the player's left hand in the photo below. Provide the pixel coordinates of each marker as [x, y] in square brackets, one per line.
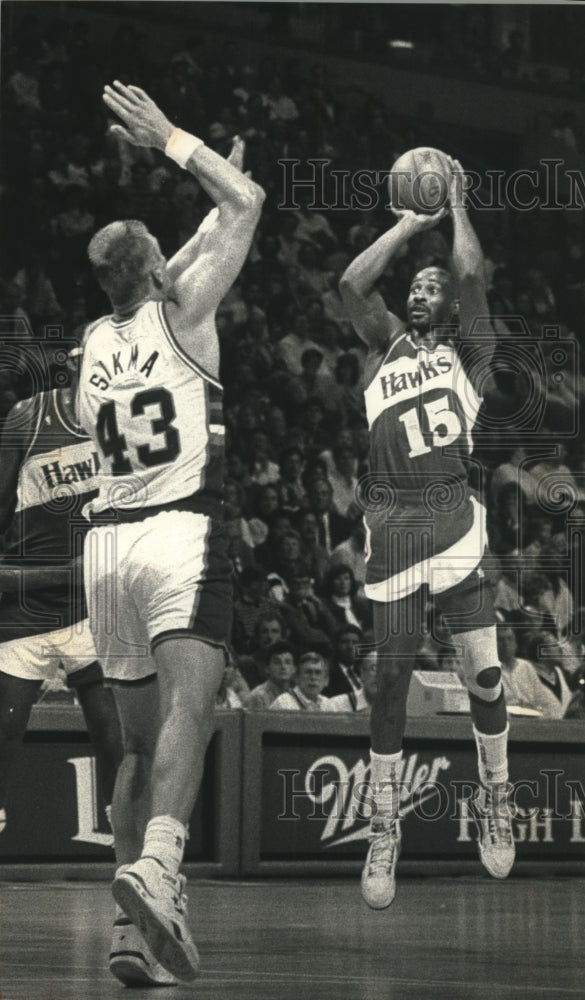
[236, 156]
[143, 123]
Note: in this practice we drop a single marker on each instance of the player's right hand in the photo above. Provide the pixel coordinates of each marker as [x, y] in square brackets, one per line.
[143, 123]
[417, 221]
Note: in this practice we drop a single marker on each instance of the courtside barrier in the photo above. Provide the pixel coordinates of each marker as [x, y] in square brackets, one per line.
[288, 794]
[56, 813]
[306, 794]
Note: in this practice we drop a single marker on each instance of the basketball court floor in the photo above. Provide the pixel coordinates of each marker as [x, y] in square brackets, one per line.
[456, 938]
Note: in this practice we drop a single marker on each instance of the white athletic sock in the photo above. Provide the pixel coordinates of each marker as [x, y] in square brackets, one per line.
[385, 781]
[2, 819]
[165, 840]
[492, 757]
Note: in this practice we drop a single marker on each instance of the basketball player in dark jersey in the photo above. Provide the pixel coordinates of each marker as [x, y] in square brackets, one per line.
[47, 472]
[425, 527]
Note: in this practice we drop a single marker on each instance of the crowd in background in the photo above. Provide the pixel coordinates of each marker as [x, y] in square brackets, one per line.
[292, 367]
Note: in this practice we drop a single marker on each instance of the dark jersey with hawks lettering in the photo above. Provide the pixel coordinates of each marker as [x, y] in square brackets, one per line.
[48, 470]
[421, 408]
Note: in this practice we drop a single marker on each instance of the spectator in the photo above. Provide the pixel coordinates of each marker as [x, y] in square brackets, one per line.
[522, 685]
[347, 391]
[542, 650]
[280, 668]
[290, 488]
[450, 661]
[306, 695]
[316, 556]
[265, 505]
[343, 677]
[289, 558]
[234, 497]
[23, 86]
[279, 522]
[351, 553]
[342, 477]
[313, 227]
[233, 688]
[262, 469]
[307, 619]
[249, 606]
[333, 527]
[293, 345]
[280, 106]
[341, 598]
[269, 628]
[359, 701]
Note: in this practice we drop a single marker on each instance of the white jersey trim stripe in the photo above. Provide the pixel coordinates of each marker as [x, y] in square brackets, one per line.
[181, 353]
[441, 571]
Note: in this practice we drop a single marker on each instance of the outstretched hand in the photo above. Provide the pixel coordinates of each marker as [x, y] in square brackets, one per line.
[143, 123]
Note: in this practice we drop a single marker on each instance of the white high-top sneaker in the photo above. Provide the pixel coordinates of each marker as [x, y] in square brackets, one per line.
[493, 818]
[379, 874]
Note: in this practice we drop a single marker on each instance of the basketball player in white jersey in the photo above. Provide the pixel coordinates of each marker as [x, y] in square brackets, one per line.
[425, 527]
[157, 572]
[48, 470]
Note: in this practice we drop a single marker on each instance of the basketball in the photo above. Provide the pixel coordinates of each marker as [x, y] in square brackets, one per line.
[419, 181]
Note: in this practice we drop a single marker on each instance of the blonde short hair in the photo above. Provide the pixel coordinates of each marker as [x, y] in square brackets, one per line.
[121, 254]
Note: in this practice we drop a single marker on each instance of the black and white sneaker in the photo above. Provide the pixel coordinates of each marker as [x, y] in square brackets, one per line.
[131, 960]
[156, 903]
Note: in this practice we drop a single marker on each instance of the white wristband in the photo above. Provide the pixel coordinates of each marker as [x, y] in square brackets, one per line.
[181, 146]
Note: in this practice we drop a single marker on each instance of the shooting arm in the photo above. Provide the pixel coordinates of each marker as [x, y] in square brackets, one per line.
[365, 307]
[469, 267]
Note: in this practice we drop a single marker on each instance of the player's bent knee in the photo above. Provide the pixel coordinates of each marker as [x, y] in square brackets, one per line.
[486, 684]
[489, 678]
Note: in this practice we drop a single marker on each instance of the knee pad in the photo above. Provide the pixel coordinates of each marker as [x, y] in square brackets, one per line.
[483, 675]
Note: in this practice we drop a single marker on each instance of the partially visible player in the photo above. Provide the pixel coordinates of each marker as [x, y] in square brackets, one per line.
[423, 381]
[157, 570]
[48, 469]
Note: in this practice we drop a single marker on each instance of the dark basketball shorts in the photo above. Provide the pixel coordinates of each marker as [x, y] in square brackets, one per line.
[408, 550]
[147, 581]
[441, 557]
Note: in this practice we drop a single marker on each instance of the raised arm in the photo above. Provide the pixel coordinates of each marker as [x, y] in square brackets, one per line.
[187, 254]
[469, 268]
[198, 289]
[365, 306]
